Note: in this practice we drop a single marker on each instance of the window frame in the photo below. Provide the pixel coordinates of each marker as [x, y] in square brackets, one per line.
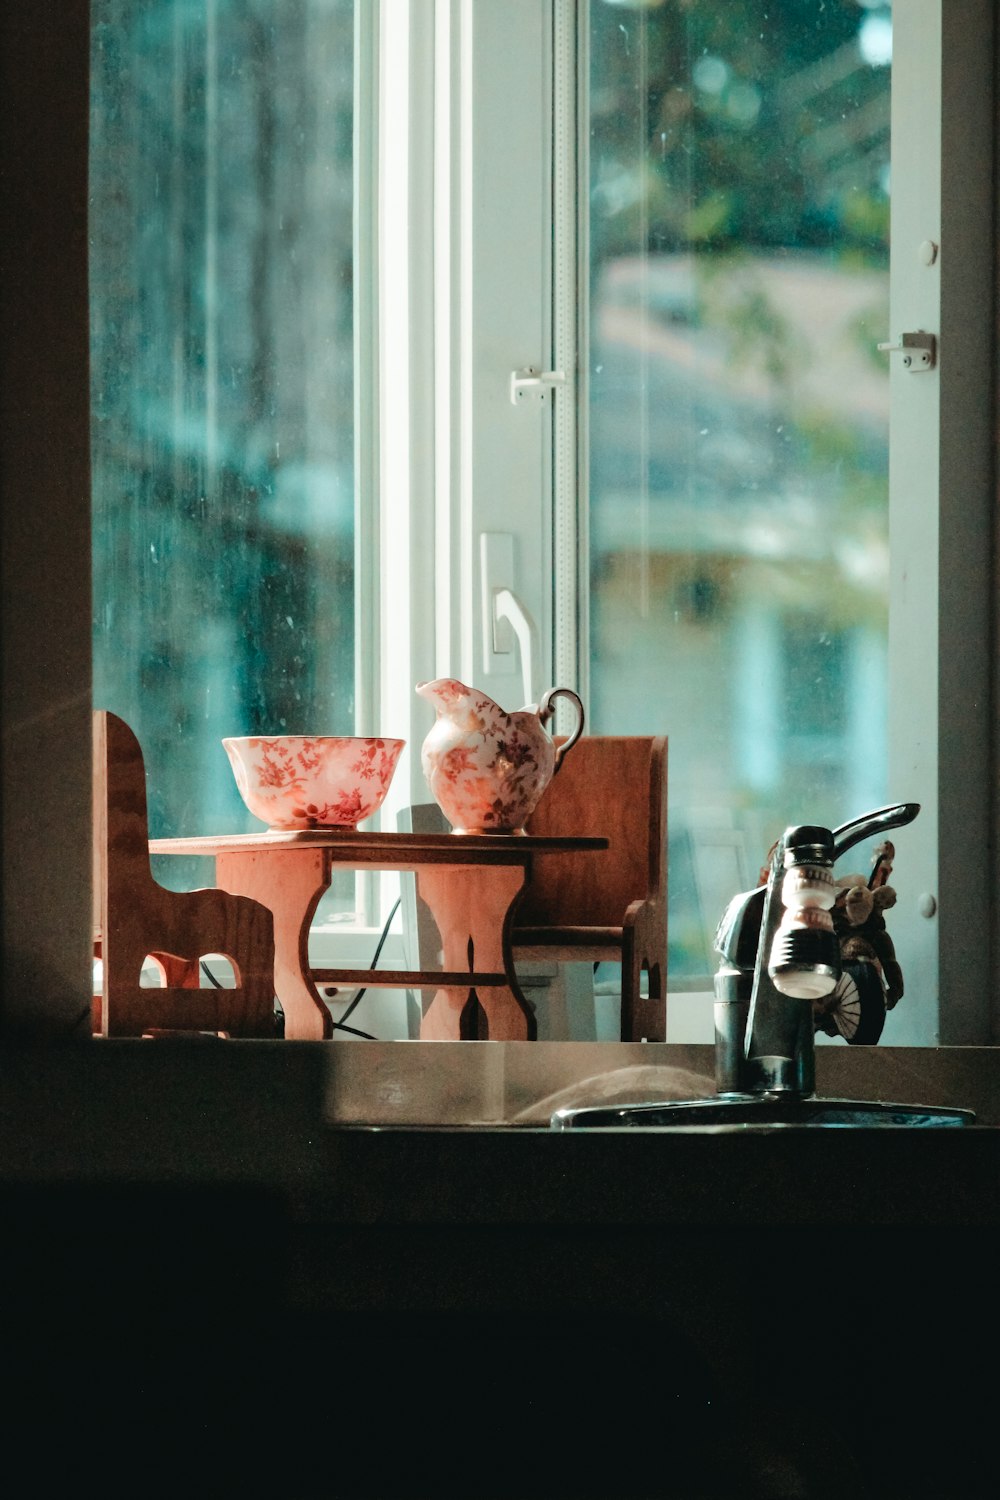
[45, 804]
[462, 291]
[459, 300]
[943, 748]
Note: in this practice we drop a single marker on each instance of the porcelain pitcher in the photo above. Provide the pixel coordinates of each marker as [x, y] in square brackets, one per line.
[486, 768]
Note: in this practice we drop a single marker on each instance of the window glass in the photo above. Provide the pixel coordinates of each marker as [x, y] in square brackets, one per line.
[223, 385]
[738, 416]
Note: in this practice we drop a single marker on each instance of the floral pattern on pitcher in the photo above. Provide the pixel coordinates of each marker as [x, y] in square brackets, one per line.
[487, 768]
[313, 781]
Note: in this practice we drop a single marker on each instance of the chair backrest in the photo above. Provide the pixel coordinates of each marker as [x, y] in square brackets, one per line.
[609, 785]
[136, 918]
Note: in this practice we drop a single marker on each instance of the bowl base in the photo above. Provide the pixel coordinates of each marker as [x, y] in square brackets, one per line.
[485, 832]
[312, 827]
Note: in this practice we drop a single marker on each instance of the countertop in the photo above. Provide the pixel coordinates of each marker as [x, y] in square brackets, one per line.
[289, 1117]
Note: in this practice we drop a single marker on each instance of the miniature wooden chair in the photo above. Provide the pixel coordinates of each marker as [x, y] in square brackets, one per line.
[136, 918]
[609, 905]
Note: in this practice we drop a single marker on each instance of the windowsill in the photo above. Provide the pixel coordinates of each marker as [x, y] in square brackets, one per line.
[261, 1111]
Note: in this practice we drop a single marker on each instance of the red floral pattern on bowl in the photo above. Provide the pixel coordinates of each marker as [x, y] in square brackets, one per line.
[313, 781]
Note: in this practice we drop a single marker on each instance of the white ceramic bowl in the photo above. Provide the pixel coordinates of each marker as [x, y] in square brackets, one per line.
[312, 780]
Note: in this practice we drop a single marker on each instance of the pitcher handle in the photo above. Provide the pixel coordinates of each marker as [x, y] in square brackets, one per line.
[546, 709]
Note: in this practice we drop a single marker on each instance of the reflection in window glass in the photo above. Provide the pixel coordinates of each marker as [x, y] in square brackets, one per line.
[222, 374]
[739, 221]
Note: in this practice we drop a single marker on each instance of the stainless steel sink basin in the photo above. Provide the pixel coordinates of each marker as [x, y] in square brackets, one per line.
[773, 1111]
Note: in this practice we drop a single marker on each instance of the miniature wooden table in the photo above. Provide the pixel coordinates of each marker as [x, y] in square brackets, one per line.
[471, 884]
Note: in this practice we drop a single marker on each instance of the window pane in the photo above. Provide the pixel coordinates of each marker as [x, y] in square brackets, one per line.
[739, 218]
[223, 385]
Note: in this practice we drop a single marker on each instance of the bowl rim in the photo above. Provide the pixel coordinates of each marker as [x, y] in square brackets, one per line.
[342, 739]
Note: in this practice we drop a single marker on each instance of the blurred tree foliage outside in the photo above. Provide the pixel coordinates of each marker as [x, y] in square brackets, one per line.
[761, 129]
[221, 227]
[738, 420]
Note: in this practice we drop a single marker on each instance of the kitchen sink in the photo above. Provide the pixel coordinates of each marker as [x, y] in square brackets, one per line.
[773, 1111]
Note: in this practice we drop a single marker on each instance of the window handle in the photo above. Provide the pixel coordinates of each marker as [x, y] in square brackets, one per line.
[534, 384]
[507, 606]
[919, 350]
[505, 618]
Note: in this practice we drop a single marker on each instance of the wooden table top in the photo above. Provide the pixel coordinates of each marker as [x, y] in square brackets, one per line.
[369, 847]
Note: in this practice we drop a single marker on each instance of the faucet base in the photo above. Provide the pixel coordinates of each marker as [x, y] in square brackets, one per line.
[772, 1111]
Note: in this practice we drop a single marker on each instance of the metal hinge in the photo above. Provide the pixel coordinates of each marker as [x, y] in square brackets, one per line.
[919, 350]
[533, 384]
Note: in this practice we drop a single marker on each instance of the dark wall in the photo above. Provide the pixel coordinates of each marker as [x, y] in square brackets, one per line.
[45, 499]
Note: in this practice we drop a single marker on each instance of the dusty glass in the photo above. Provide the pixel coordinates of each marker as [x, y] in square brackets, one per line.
[738, 418]
[222, 384]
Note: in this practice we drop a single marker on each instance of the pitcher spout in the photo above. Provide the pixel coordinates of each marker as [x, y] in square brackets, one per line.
[453, 700]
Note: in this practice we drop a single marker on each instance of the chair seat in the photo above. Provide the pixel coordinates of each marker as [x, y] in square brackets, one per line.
[568, 944]
[568, 937]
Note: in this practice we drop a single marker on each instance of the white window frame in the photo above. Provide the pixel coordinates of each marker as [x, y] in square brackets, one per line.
[464, 236]
[453, 191]
[942, 743]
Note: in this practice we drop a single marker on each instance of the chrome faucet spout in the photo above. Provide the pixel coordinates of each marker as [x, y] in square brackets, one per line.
[871, 823]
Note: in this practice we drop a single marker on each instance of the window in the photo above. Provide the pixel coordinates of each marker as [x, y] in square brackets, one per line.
[739, 161]
[223, 384]
[271, 551]
[755, 533]
[714, 530]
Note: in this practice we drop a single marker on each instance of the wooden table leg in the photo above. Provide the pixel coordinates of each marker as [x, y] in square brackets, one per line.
[472, 906]
[290, 882]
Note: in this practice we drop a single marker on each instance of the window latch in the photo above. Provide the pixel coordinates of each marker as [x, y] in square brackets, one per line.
[534, 385]
[919, 350]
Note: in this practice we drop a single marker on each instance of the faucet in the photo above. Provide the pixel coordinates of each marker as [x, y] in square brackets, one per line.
[779, 953]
